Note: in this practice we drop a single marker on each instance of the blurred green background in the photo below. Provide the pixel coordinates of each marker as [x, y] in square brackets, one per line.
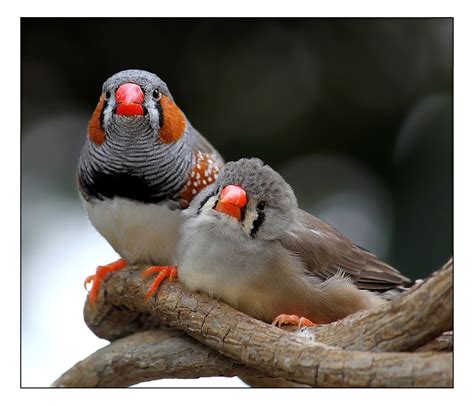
[355, 113]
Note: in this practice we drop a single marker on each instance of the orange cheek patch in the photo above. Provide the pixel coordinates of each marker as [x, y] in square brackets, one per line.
[96, 133]
[174, 122]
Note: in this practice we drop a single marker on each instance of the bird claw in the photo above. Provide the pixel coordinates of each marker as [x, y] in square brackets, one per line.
[100, 274]
[293, 320]
[163, 272]
[88, 280]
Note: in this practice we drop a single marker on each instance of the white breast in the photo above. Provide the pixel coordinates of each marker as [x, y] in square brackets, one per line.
[140, 233]
[215, 257]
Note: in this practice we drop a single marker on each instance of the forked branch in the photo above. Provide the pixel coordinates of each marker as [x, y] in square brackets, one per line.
[297, 356]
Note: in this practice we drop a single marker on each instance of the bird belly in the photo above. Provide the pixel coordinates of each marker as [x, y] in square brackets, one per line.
[251, 280]
[257, 290]
[140, 233]
[226, 282]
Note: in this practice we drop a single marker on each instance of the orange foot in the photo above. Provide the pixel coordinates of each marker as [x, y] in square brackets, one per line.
[163, 272]
[292, 319]
[100, 274]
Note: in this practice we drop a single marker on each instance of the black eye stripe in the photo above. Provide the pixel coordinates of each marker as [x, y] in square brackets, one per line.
[160, 113]
[257, 224]
[204, 202]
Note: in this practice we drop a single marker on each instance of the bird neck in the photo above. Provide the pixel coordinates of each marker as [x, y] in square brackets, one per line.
[133, 164]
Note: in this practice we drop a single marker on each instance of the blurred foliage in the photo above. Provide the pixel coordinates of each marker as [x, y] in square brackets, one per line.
[359, 108]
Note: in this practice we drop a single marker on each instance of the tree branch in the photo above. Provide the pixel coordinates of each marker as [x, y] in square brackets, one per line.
[273, 351]
[412, 319]
[442, 343]
[150, 355]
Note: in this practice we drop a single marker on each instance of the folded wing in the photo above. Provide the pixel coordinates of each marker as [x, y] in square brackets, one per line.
[325, 252]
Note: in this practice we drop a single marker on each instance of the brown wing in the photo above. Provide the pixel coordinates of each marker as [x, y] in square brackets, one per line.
[326, 251]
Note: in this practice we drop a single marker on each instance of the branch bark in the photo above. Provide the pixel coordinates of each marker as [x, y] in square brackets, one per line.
[412, 319]
[442, 343]
[147, 356]
[275, 352]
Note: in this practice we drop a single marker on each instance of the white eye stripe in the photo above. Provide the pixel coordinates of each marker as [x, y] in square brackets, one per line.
[250, 216]
[208, 204]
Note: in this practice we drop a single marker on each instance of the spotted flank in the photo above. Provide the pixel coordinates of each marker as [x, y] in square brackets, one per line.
[203, 173]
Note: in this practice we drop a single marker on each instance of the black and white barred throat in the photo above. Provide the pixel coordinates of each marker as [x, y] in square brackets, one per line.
[134, 163]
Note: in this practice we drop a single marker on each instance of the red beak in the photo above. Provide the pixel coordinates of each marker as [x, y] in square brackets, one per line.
[129, 97]
[231, 200]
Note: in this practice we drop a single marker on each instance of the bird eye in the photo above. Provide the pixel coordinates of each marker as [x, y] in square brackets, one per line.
[261, 206]
[107, 95]
[156, 94]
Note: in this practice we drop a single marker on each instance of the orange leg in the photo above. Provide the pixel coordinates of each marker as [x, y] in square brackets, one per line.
[163, 272]
[101, 273]
[292, 319]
